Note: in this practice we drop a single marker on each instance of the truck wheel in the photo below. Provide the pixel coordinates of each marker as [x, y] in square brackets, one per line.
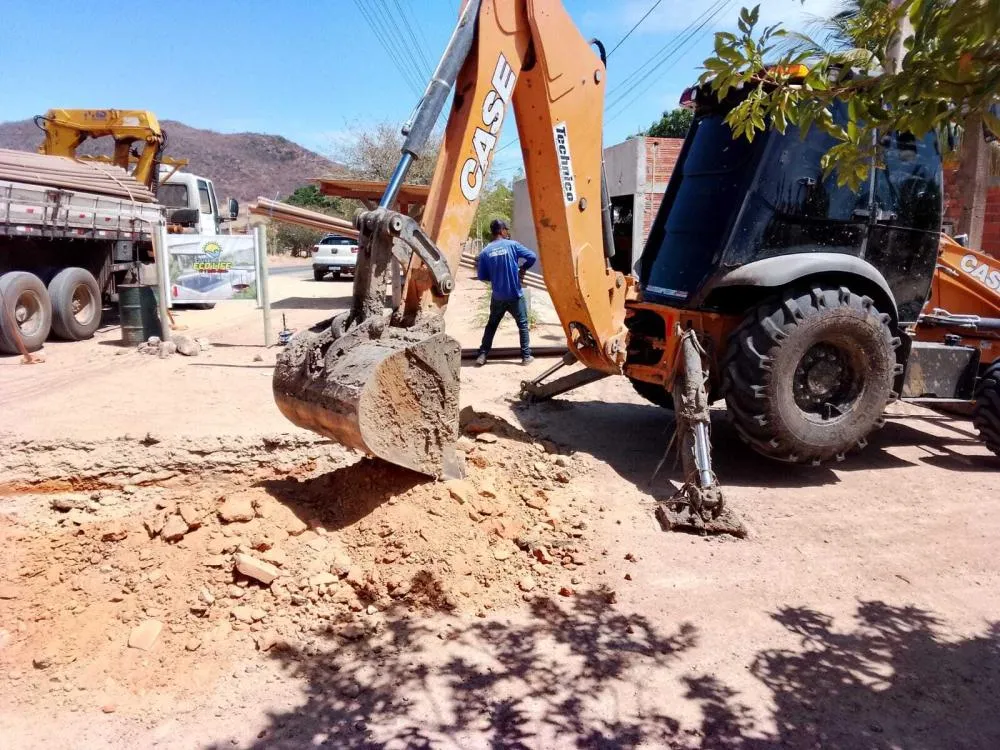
[807, 376]
[318, 275]
[986, 412]
[76, 304]
[655, 394]
[25, 312]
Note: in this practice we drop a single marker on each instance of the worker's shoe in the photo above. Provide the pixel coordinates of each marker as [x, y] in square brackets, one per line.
[480, 360]
[527, 360]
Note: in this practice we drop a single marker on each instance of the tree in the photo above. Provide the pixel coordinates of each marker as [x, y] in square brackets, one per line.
[372, 154]
[673, 124]
[496, 202]
[906, 65]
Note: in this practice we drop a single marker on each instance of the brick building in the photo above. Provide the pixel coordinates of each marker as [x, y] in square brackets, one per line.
[638, 171]
[991, 232]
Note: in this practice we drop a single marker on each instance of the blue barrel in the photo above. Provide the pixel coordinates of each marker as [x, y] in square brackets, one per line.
[139, 312]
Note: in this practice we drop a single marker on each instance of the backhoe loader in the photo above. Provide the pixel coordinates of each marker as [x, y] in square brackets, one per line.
[762, 281]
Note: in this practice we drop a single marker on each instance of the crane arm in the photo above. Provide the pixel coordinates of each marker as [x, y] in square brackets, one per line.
[66, 129]
[388, 386]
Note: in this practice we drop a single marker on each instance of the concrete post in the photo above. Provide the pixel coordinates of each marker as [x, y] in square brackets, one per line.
[162, 258]
[260, 243]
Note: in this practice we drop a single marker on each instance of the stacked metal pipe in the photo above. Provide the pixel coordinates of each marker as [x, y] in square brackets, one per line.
[302, 217]
[69, 174]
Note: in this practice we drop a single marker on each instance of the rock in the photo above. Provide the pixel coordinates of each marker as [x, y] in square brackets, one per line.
[526, 583]
[342, 564]
[256, 569]
[154, 523]
[258, 358]
[257, 614]
[203, 344]
[8, 591]
[109, 708]
[371, 610]
[186, 346]
[502, 552]
[563, 477]
[542, 555]
[630, 557]
[236, 509]
[193, 644]
[566, 591]
[215, 561]
[42, 661]
[115, 532]
[538, 501]
[275, 556]
[540, 468]
[323, 579]
[191, 515]
[352, 631]
[144, 635]
[628, 576]
[242, 613]
[267, 640]
[66, 503]
[167, 348]
[174, 529]
[153, 341]
[460, 490]
[206, 596]
[486, 437]
[77, 517]
[235, 592]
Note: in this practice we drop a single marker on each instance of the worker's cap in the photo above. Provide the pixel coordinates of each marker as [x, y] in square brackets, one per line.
[497, 226]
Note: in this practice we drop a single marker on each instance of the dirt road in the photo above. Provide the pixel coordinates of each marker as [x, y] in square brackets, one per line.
[862, 611]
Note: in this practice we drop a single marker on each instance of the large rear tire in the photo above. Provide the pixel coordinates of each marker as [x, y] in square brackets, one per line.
[25, 312]
[654, 393]
[76, 304]
[808, 375]
[986, 412]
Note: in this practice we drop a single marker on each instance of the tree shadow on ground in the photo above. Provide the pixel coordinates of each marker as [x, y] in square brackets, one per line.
[564, 671]
[893, 680]
[582, 674]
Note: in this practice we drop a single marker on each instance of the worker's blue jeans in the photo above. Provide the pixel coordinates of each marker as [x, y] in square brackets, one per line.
[518, 309]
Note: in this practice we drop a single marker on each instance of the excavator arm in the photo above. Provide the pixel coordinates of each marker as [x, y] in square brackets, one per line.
[66, 129]
[388, 385]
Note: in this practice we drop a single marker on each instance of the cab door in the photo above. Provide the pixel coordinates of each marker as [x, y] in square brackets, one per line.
[905, 221]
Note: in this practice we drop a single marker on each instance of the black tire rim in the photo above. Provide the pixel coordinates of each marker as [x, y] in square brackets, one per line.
[827, 382]
[28, 312]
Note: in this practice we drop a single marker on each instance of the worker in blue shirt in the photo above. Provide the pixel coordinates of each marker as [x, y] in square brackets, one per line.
[503, 263]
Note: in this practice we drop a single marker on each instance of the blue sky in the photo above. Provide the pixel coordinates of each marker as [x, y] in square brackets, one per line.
[313, 71]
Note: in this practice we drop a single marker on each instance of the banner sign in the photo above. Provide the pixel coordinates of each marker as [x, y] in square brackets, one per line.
[212, 268]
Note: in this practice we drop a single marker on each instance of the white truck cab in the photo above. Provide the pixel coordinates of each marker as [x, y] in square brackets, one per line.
[191, 202]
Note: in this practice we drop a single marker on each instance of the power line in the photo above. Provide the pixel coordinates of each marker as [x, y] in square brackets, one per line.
[637, 24]
[390, 26]
[681, 46]
[387, 47]
[667, 49]
[421, 53]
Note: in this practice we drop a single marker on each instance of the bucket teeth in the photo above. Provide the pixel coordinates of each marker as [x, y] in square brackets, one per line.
[387, 391]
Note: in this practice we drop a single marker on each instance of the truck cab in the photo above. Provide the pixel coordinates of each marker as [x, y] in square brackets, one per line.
[191, 203]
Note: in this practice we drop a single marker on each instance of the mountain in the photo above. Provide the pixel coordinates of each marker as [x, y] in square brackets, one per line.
[242, 165]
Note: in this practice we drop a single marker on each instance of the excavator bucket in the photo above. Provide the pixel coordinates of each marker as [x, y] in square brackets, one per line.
[389, 392]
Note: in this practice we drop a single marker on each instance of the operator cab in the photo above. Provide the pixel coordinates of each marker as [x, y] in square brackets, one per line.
[732, 202]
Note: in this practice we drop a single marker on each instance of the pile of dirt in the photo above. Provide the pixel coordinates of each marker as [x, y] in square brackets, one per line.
[127, 587]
